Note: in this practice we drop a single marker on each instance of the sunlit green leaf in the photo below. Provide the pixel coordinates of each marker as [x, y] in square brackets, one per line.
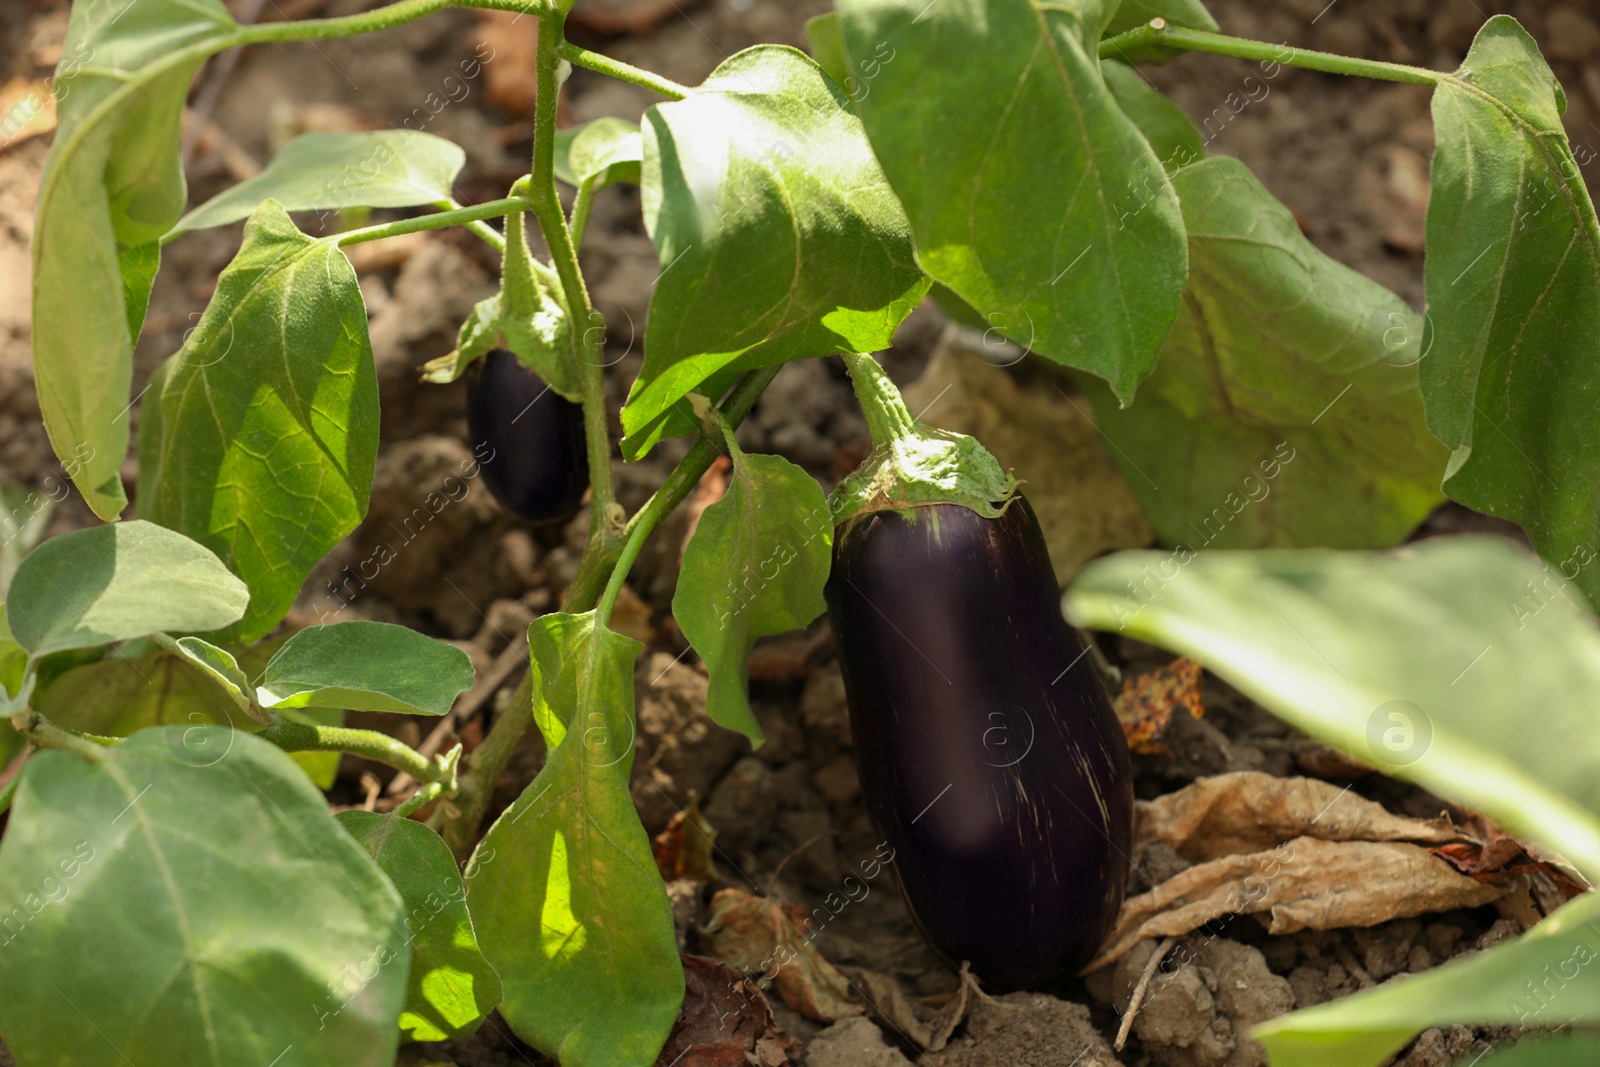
[1513, 283]
[366, 666]
[190, 900]
[338, 171]
[1285, 410]
[609, 149]
[112, 186]
[1031, 194]
[259, 437]
[777, 234]
[1418, 662]
[755, 566]
[566, 898]
[111, 583]
[452, 987]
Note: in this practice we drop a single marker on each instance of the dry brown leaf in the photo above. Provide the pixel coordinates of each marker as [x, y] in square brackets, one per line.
[683, 849]
[767, 938]
[1248, 811]
[1494, 856]
[930, 1028]
[1147, 701]
[1302, 884]
[27, 110]
[725, 1021]
[1047, 438]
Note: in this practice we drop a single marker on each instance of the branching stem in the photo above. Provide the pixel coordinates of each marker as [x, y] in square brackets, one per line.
[1158, 34]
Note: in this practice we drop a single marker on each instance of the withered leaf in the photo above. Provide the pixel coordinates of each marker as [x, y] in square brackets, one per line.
[770, 939]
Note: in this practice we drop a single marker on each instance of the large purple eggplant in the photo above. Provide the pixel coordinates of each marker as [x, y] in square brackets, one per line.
[538, 466]
[989, 756]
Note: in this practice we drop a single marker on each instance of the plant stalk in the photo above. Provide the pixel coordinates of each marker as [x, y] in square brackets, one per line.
[383, 18]
[46, 734]
[304, 737]
[461, 216]
[615, 68]
[888, 418]
[460, 828]
[425, 795]
[1158, 34]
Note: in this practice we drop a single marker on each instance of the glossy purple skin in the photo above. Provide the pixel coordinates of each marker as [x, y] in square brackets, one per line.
[539, 466]
[989, 755]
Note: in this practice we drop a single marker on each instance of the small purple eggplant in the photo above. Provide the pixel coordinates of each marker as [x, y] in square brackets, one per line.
[989, 755]
[537, 464]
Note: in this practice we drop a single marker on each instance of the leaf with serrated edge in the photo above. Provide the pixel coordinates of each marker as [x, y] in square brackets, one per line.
[777, 234]
[266, 430]
[566, 898]
[1365, 652]
[366, 666]
[113, 583]
[1285, 410]
[755, 566]
[189, 899]
[1031, 194]
[1554, 961]
[337, 171]
[1513, 284]
[451, 987]
[112, 186]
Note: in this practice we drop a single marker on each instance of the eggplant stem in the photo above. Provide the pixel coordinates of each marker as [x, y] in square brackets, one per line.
[888, 418]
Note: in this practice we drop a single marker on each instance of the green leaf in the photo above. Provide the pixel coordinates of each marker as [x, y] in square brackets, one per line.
[564, 893]
[265, 429]
[1031, 194]
[452, 987]
[113, 184]
[338, 171]
[189, 899]
[13, 657]
[1188, 14]
[1542, 978]
[1412, 662]
[755, 566]
[1513, 284]
[607, 149]
[1172, 134]
[26, 515]
[1285, 411]
[216, 664]
[827, 47]
[112, 583]
[366, 666]
[777, 234]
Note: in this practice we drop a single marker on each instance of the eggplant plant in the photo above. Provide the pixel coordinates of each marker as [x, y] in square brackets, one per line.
[170, 873]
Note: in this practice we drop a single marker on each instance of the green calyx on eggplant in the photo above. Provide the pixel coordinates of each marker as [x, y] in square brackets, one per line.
[989, 756]
[537, 461]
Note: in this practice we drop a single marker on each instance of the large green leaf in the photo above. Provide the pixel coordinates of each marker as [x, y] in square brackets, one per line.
[189, 900]
[1513, 283]
[564, 893]
[112, 186]
[778, 236]
[1563, 1051]
[1546, 977]
[1190, 14]
[366, 666]
[1285, 411]
[1172, 134]
[452, 987]
[112, 583]
[1030, 193]
[1423, 663]
[259, 437]
[336, 171]
[755, 566]
[123, 694]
